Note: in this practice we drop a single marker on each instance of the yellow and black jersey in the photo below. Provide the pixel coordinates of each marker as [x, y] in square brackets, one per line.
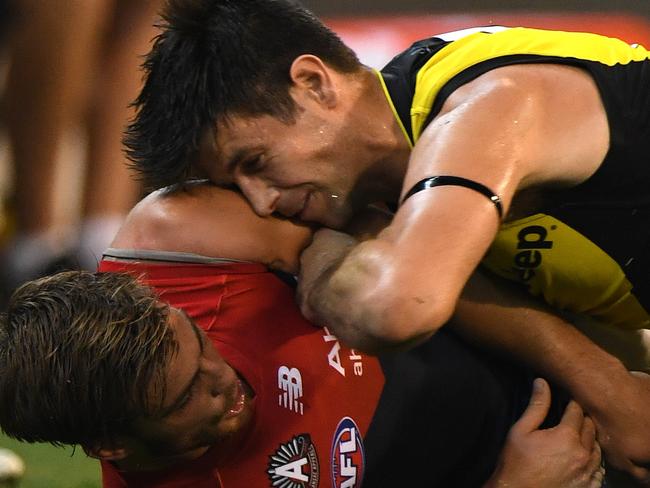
[587, 249]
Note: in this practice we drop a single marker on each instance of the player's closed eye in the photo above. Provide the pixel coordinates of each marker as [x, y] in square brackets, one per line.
[252, 165]
[186, 399]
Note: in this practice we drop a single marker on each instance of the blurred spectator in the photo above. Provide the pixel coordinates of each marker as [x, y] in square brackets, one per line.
[74, 67]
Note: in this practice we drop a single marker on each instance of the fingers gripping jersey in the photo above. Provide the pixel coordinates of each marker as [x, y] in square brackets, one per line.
[586, 249]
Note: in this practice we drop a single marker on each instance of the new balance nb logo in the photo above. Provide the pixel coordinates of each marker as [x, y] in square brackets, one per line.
[290, 384]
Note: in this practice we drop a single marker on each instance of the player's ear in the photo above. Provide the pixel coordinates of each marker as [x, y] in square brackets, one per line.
[106, 451]
[311, 77]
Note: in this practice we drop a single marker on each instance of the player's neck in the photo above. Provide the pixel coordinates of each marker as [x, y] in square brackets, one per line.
[384, 136]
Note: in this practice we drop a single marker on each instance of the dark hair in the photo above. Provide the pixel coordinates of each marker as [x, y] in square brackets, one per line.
[81, 357]
[214, 58]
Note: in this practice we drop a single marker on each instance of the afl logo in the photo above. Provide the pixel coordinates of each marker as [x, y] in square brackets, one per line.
[348, 456]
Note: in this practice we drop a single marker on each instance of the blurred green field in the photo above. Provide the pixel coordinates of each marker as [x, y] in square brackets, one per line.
[53, 467]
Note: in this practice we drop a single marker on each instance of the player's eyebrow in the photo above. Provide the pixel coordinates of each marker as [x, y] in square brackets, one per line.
[198, 332]
[186, 391]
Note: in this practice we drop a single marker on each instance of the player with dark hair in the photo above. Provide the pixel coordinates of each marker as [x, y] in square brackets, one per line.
[545, 130]
[240, 390]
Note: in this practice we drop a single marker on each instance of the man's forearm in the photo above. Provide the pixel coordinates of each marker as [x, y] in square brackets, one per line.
[343, 285]
[506, 320]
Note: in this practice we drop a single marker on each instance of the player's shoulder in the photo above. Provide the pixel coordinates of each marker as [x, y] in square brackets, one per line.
[164, 215]
[208, 220]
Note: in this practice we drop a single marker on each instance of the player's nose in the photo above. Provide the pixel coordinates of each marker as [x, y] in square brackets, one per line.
[262, 197]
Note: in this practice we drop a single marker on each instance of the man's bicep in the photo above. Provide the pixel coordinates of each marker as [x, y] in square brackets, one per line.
[491, 139]
[478, 144]
[514, 127]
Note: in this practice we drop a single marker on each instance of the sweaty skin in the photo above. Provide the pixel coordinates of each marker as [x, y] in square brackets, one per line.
[494, 130]
[514, 128]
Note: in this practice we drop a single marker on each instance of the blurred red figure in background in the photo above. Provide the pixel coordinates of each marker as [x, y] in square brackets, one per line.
[73, 67]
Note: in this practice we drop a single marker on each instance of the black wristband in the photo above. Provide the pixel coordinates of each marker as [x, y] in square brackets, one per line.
[432, 181]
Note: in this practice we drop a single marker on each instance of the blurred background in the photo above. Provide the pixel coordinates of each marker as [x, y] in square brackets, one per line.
[363, 7]
[68, 70]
